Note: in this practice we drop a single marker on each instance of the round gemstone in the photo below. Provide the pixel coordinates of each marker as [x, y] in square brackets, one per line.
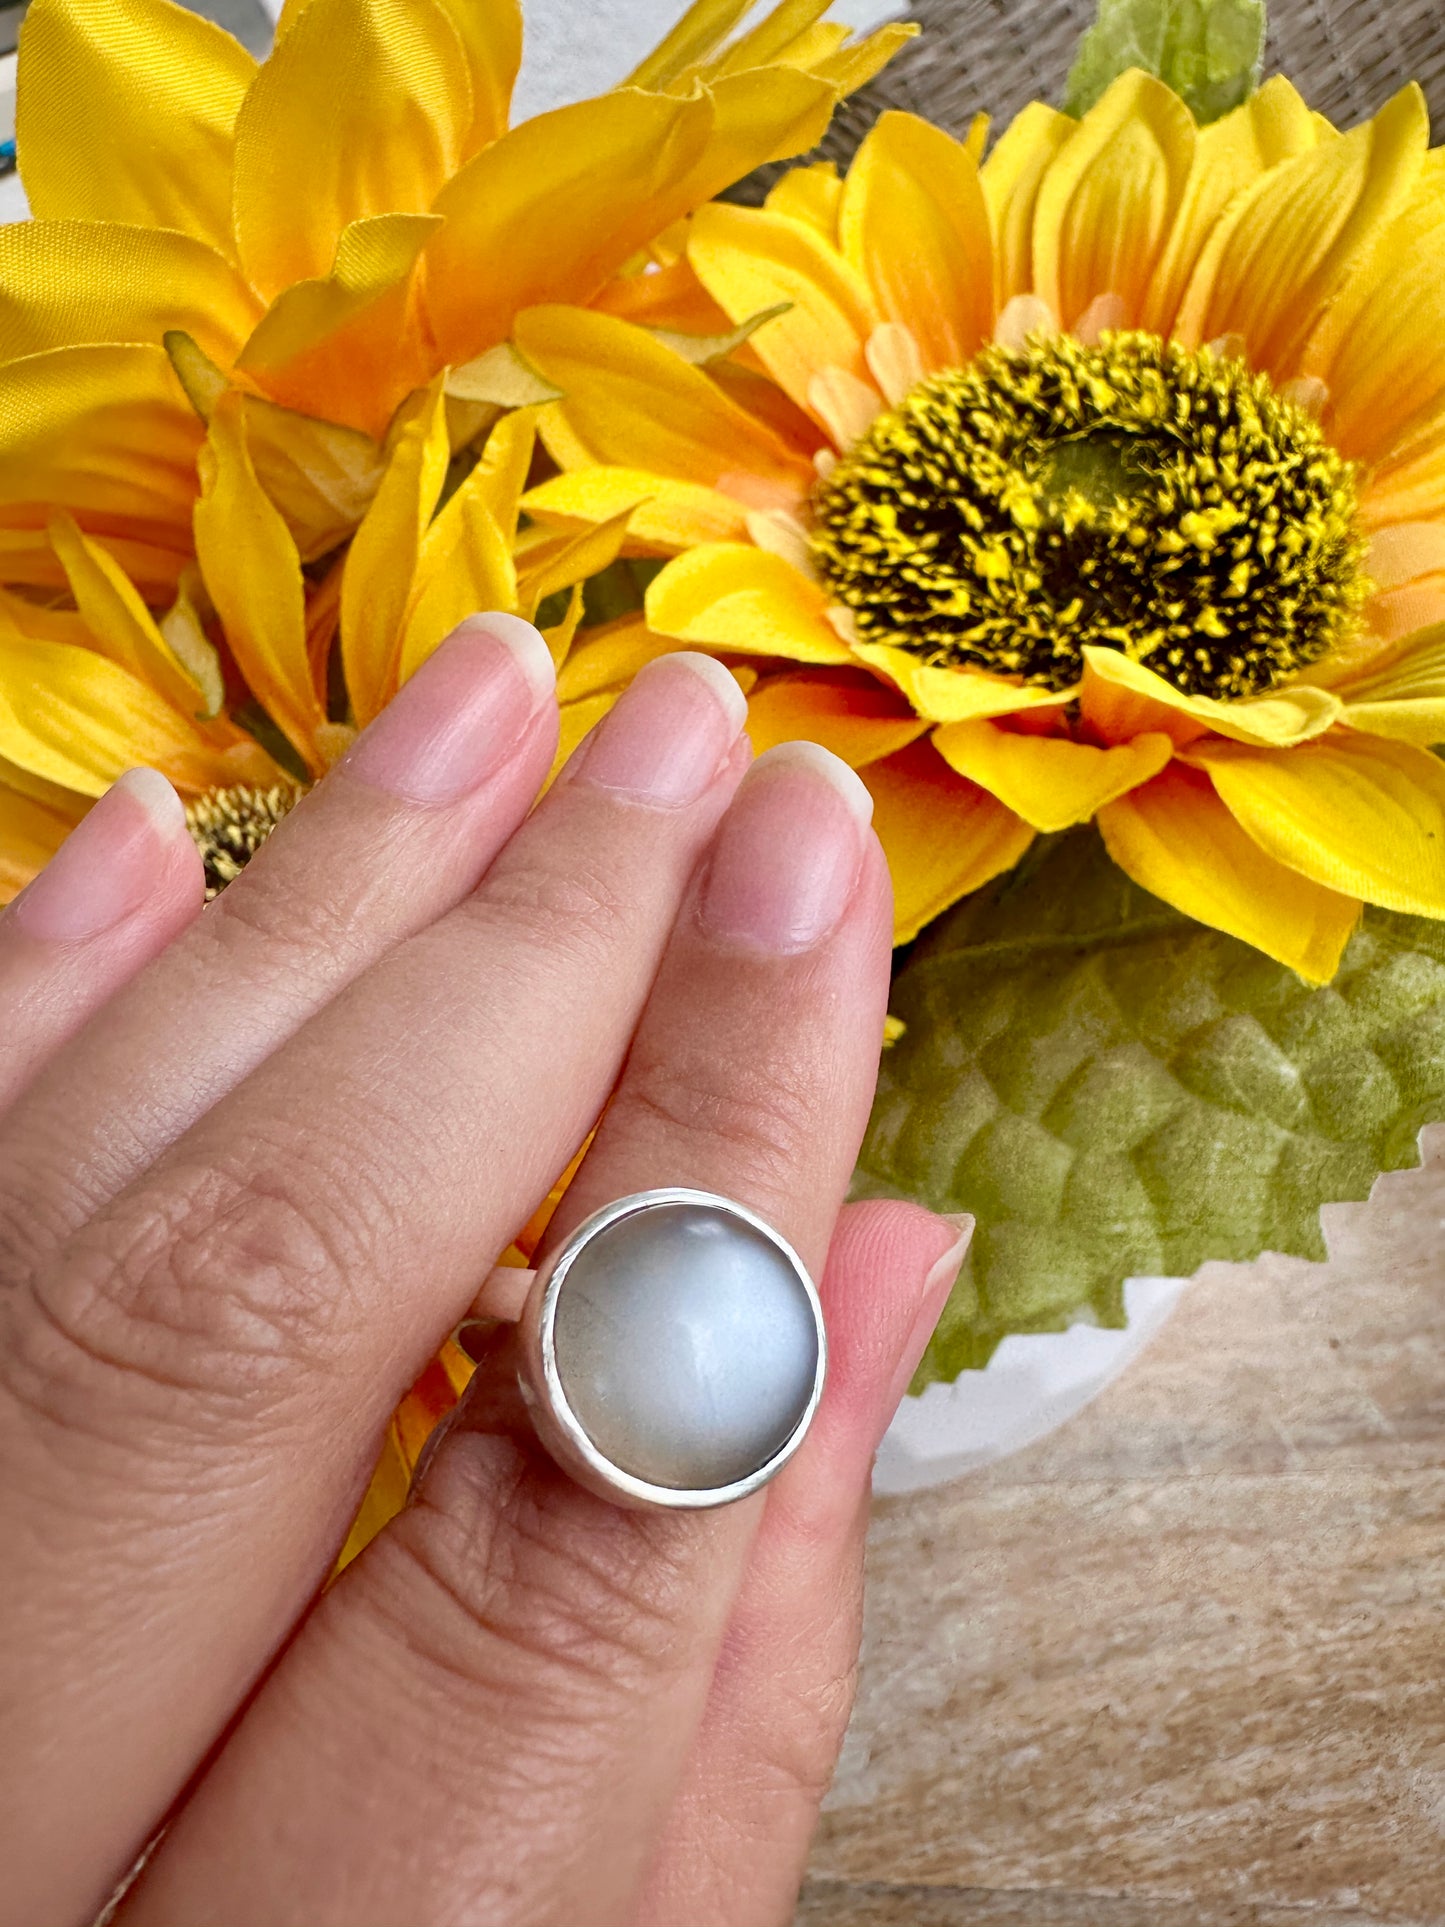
[686, 1344]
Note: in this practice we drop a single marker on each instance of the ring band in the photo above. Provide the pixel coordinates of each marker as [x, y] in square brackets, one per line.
[673, 1351]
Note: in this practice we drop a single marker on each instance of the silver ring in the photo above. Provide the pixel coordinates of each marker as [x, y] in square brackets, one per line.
[673, 1351]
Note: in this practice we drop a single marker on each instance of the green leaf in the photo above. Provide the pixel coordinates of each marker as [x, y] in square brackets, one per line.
[1116, 1091]
[1210, 52]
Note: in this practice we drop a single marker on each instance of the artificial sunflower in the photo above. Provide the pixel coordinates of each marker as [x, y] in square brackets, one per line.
[261, 312]
[1102, 480]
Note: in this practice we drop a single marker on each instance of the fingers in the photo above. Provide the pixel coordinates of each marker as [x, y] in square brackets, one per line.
[515, 1670]
[198, 1385]
[121, 888]
[393, 838]
[736, 1843]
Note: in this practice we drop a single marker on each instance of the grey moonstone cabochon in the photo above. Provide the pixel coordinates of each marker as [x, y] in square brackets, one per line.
[687, 1346]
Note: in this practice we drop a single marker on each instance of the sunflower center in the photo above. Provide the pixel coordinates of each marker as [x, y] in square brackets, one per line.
[229, 826]
[1151, 498]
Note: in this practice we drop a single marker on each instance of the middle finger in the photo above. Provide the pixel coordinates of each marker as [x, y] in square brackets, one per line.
[198, 1387]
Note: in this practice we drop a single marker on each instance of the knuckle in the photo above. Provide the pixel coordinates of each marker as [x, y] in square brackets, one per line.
[534, 1593]
[580, 911]
[264, 922]
[212, 1288]
[761, 1111]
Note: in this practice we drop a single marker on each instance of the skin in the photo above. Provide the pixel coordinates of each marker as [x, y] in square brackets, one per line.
[257, 1159]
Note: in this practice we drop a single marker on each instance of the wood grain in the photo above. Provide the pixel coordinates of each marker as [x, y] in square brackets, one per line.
[1183, 1663]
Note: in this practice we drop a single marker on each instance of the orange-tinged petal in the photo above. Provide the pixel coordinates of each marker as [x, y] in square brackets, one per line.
[955, 695]
[347, 347]
[465, 565]
[749, 260]
[850, 715]
[1107, 202]
[630, 402]
[1177, 840]
[363, 108]
[943, 836]
[913, 221]
[80, 720]
[1050, 782]
[768, 114]
[32, 828]
[667, 516]
[103, 431]
[253, 575]
[63, 282]
[667, 297]
[811, 195]
[1291, 241]
[1011, 177]
[118, 623]
[1229, 155]
[1115, 687]
[1361, 814]
[554, 208]
[696, 37]
[1410, 667]
[125, 113]
[26, 556]
[736, 597]
[381, 566]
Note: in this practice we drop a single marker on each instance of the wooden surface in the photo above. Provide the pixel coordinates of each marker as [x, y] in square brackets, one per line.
[1183, 1663]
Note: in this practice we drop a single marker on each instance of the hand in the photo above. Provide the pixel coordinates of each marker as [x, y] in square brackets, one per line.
[256, 1161]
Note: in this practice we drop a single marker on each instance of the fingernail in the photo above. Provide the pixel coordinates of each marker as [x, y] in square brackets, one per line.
[461, 716]
[941, 1278]
[788, 852]
[669, 736]
[106, 868]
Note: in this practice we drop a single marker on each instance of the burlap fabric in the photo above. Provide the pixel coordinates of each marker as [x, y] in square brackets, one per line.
[993, 56]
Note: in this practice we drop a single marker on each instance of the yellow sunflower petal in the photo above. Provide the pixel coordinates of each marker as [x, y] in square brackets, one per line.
[666, 515]
[80, 720]
[955, 695]
[1010, 178]
[1359, 814]
[1413, 719]
[913, 222]
[749, 260]
[1115, 686]
[632, 403]
[608, 657]
[855, 718]
[465, 565]
[253, 575]
[1409, 668]
[68, 281]
[105, 432]
[1291, 241]
[811, 195]
[1048, 781]
[382, 562]
[32, 828]
[119, 623]
[125, 113]
[363, 108]
[491, 33]
[1178, 841]
[1107, 202]
[343, 347]
[501, 474]
[733, 596]
[320, 475]
[571, 559]
[27, 558]
[554, 208]
[943, 836]
[1230, 154]
[577, 719]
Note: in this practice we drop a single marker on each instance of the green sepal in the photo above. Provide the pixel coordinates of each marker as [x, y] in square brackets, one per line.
[1116, 1091]
[1211, 52]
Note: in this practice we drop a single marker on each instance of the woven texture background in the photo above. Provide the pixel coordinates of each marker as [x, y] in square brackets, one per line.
[993, 56]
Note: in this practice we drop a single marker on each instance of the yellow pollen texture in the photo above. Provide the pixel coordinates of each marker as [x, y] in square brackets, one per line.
[1151, 498]
[229, 826]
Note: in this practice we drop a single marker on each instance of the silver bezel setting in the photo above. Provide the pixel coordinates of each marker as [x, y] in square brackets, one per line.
[558, 1425]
